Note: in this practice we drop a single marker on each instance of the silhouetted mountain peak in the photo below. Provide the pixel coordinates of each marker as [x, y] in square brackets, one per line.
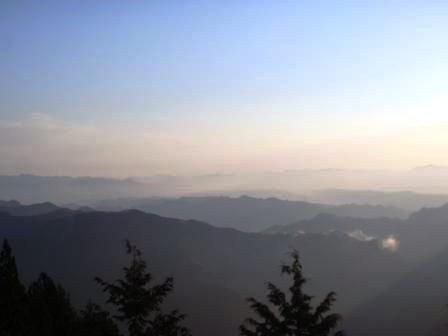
[431, 214]
[17, 209]
[10, 204]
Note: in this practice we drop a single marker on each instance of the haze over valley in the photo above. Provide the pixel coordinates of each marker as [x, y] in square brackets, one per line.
[223, 168]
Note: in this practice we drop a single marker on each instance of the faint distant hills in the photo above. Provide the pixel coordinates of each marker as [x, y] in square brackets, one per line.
[401, 199]
[245, 213]
[428, 186]
[325, 223]
[48, 209]
[33, 189]
[242, 213]
[420, 237]
[17, 209]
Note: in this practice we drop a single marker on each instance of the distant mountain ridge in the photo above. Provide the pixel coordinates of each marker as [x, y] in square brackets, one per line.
[10, 204]
[328, 222]
[15, 208]
[244, 213]
[292, 185]
[421, 236]
[64, 189]
[416, 304]
[408, 200]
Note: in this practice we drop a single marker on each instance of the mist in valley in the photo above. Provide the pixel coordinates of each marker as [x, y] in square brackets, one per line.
[223, 168]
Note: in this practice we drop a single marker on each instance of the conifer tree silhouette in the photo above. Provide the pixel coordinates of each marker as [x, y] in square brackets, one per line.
[13, 301]
[293, 314]
[138, 302]
[51, 311]
[94, 321]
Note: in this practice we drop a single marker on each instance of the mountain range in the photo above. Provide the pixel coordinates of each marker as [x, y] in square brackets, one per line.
[408, 200]
[244, 213]
[381, 291]
[215, 269]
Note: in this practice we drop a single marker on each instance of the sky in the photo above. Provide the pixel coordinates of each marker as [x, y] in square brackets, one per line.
[114, 88]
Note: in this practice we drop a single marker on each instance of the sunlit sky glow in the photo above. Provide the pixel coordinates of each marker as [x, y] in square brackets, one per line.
[123, 88]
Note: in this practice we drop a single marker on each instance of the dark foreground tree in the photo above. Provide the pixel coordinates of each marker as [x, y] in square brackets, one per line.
[291, 314]
[13, 300]
[138, 302]
[94, 321]
[50, 308]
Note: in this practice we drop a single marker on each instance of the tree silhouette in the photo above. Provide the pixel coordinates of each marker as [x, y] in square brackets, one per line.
[139, 303]
[50, 308]
[94, 321]
[13, 300]
[293, 314]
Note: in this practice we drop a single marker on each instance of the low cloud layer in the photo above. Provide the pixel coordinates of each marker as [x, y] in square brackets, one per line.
[47, 146]
[389, 243]
[41, 144]
[360, 235]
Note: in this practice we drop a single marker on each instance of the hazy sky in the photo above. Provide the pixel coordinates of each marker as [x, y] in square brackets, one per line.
[124, 88]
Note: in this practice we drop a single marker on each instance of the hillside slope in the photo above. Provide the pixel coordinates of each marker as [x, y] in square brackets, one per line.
[214, 269]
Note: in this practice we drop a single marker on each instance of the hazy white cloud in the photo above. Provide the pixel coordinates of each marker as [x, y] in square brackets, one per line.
[390, 243]
[360, 235]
